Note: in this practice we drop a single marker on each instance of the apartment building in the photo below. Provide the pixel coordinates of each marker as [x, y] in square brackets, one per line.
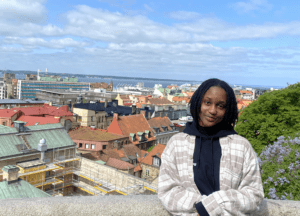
[29, 88]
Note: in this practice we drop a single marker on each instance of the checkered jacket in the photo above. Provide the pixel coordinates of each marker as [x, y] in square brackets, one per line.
[241, 190]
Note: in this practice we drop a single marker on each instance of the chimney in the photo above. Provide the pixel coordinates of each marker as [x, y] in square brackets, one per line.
[20, 125]
[137, 110]
[10, 173]
[149, 115]
[42, 147]
[133, 109]
[143, 112]
[105, 103]
[116, 116]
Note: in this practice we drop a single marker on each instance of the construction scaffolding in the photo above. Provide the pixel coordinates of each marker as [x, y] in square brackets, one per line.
[69, 174]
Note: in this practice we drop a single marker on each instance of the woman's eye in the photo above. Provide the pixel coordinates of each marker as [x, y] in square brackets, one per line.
[207, 102]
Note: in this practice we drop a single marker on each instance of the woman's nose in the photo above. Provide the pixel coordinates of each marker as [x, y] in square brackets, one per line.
[213, 109]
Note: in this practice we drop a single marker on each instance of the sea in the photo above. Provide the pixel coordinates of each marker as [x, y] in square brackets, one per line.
[119, 81]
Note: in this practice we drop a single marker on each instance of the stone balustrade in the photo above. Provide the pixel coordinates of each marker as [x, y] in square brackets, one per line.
[135, 205]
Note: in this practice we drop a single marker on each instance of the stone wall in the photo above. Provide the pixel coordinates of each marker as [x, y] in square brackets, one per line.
[136, 205]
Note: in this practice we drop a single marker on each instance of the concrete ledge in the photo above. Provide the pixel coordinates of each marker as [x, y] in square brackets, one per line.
[136, 205]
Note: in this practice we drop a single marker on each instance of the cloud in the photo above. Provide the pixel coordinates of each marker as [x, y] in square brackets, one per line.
[23, 11]
[251, 5]
[40, 42]
[115, 27]
[183, 15]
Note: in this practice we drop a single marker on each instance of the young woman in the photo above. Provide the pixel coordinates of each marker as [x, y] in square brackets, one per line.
[210, 170]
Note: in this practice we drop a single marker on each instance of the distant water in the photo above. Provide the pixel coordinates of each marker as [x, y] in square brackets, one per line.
[147, 82]
[127, 81]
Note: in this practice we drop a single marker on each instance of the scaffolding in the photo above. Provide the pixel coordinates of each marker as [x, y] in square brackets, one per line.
[67, 172]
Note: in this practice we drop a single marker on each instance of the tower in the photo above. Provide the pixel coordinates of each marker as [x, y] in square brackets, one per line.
[111, 85]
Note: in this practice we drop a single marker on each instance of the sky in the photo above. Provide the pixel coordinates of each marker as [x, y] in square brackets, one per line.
[251, 42]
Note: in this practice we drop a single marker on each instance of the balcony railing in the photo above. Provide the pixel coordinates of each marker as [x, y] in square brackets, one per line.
[135, 205]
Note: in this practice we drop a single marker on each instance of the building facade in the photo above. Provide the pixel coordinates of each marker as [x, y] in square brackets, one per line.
[29, 88]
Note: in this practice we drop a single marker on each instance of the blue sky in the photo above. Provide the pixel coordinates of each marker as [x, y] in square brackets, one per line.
[252, 42]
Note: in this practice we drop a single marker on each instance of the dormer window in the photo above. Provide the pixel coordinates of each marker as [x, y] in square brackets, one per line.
[132, 136]
[147, 132]
[156, 129]
[156, 161]
[141, 136]
[165, 128]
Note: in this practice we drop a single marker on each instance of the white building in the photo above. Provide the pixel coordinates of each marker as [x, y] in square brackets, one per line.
[2, 90]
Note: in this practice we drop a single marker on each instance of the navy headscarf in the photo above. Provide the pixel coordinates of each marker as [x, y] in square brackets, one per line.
[207, 152]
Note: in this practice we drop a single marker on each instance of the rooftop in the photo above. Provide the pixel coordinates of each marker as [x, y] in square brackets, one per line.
[87, 133]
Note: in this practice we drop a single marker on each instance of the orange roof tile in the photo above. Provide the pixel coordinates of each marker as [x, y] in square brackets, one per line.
[122, 165]
[156, 151]
[180, 99]
[160, 101]
[137, 168]
[131, 124]
[159, 122]
[87, 133]
[246, 92]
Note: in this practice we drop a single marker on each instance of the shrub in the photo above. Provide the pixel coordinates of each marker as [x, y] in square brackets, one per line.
[274, 114]
[280, 169]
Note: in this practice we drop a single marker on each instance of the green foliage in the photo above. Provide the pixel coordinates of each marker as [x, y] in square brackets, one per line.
[149, 149]
[275, 113]
[83, 100]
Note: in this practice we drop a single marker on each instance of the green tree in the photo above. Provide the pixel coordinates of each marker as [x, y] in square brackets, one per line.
[83, 100]
[274, 114]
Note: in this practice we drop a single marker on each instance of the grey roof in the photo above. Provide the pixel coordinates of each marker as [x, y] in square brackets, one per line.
[11, 144]
[20, 189]
[19, 101]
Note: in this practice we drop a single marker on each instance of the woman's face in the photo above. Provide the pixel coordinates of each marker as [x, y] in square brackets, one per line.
[212, 107]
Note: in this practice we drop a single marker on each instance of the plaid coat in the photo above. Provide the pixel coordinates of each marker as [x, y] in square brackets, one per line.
[241, 189]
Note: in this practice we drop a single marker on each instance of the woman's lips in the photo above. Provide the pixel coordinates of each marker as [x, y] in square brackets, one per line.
[210, 119]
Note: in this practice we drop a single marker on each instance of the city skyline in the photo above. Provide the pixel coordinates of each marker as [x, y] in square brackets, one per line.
[251, 42]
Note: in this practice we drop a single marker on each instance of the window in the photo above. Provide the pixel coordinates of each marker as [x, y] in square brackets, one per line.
[86, 146]
[92, 118]
[79, 118]
[104, 146]
[147, 172]
[4, 123]
[93, 146]
[80, 145]
[155, 161]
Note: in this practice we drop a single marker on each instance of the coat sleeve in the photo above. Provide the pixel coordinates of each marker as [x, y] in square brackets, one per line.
[246, 198]
[173, 195]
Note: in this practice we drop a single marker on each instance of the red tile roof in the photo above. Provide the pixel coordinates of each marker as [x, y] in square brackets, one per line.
[7, 113]
[156, 151]
[159, 122]
[137, 168]
[122, 165]
[87, 133]
[246, 92]
[45, 110]
[180, 99]
[32, 120]
[131, 124]
[159, 101]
